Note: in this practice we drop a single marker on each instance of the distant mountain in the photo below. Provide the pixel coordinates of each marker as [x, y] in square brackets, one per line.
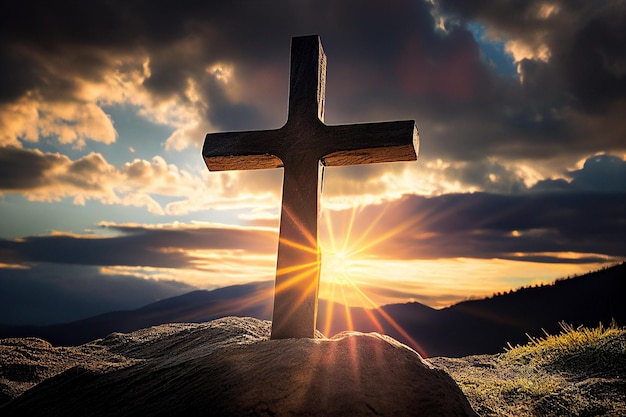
[487, 325]
[469, 327]
[253, 300]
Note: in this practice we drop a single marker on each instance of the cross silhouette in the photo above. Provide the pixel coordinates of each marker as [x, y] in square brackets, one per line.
[303, 146]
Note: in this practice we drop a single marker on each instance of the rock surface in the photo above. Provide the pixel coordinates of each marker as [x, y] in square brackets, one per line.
[225, 367]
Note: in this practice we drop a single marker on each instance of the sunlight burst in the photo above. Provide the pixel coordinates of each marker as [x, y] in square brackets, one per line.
[342, 259]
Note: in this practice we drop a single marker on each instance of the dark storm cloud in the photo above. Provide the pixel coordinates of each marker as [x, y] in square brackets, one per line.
[224, 113]
[585, 39]
[21, 169]
[603, 173]
[586, 215]
[17, 74]
[29, 170]
[487, 175]
[595, 66]
[136, 246]
[528, 226]
[387, 60]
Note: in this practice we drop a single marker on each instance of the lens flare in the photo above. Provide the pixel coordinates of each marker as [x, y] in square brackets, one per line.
[339, 277]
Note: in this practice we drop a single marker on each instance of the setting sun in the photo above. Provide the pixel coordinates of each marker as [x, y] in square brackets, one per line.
[337, 282]
[341, 264]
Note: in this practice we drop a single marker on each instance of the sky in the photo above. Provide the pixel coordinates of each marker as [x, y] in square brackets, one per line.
[106, 202]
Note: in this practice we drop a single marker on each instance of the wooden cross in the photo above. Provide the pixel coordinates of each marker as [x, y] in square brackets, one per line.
[303, 146]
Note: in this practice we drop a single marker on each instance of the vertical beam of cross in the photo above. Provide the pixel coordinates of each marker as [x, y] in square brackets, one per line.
[302, 147]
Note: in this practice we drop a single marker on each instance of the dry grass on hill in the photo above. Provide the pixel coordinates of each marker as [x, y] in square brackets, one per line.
[579, 372]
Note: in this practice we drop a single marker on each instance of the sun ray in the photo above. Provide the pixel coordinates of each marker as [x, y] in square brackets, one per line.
[401, 330]
[388, 318]
[289, 270]
[304, 230]
[385, 236]
[349, 232]
[337, 256]
[331, 234]
[309, 249]
[374, 320]
[349, 322]
[371, 225]
[294, 280]
[329, 310]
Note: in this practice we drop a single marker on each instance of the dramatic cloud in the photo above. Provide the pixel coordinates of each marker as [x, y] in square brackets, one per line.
[566, 227]
[601, 173]
[581, 220]
[204, 66]
[161, 247]
[581, 43]
[51, 177]
[570, 63]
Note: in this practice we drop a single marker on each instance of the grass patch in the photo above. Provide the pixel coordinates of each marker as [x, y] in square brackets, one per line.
[579, 372]
[581, 351]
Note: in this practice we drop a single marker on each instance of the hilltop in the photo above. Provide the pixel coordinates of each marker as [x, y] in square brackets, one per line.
[229, 367]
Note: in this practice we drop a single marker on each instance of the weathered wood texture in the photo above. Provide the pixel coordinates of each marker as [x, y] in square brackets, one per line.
[303, 146]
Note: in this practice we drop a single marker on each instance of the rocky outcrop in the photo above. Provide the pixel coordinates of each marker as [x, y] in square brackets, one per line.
[230, 367]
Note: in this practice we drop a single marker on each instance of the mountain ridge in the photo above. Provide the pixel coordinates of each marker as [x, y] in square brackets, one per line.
[469, 327]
